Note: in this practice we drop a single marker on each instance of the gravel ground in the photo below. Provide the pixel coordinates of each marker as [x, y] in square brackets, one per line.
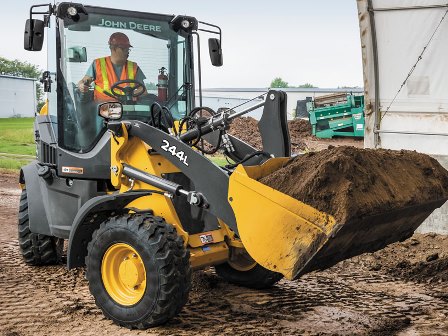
[401, 290]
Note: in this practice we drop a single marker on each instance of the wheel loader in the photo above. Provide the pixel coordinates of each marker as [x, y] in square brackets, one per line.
[127, 183]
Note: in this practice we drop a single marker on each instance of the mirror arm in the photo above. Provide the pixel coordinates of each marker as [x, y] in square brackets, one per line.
[219, 32]
[48, 12]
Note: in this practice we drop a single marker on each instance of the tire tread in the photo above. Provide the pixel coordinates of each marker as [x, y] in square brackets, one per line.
[36, 249]
[172, 260]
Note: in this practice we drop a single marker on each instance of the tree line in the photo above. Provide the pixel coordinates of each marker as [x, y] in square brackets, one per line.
[278, 82]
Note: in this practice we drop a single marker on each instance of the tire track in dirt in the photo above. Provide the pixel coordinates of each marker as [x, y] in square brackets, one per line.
[345, 300]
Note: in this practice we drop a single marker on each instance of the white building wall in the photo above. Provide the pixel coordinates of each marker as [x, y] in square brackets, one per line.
[17, 97]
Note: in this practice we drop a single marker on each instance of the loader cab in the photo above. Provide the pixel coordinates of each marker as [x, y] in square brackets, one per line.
[79, 46]
[72, 134]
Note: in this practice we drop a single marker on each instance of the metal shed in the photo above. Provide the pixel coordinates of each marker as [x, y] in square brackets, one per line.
[17, 97]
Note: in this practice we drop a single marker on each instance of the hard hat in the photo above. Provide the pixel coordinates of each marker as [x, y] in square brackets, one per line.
[120, 40]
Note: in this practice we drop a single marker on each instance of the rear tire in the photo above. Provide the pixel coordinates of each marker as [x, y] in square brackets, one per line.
[242, 270]
[151, 290]
[36, 249]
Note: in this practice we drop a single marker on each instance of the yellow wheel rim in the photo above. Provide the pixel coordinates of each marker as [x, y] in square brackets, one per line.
[123, 274]
[241, 261]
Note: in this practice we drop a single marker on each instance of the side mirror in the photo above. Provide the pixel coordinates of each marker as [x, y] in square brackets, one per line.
[214, 48]
[34, 35]
[110, 110]
[77, 54]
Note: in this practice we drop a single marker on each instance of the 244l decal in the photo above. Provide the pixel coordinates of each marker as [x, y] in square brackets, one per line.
[173, 150]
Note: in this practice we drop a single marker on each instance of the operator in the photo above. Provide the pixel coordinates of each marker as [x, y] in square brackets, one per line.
[106, 71]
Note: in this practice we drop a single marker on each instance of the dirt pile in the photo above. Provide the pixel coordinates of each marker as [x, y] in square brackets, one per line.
[349, 182]
[246, 129]
[425, 270]
[299, 130]
[422, 258]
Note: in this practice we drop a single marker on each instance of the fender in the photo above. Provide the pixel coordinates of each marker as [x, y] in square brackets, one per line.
[54, 201]
[90, 216]
[39, 222]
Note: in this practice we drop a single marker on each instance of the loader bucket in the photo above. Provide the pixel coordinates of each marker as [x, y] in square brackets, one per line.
[287, 236]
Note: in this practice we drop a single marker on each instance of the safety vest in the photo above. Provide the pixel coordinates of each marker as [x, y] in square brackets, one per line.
[106, 76]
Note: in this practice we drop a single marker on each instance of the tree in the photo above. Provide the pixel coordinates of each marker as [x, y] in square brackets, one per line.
[23, 69]
[279, 83]
[19, 69]
[307, 85]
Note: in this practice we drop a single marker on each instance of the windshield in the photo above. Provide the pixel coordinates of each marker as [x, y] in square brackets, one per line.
[145, 57]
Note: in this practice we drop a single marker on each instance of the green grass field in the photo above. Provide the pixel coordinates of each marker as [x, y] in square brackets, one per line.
[16, 136]
[218, 160]
[17, 146]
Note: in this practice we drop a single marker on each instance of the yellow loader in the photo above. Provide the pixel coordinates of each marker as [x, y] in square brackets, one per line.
[127, 183]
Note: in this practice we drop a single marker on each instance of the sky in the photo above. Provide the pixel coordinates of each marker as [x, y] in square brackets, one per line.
[300, 41]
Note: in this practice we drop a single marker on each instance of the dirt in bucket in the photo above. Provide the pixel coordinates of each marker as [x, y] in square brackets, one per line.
[349, 182]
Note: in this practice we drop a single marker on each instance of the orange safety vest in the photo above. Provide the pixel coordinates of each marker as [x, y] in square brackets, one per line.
[106, 76]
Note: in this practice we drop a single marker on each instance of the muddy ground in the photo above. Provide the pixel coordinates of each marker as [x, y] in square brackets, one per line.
[401, 290]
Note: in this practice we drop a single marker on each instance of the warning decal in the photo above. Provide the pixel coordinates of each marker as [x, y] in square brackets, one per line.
[73, 170]
[206, 238]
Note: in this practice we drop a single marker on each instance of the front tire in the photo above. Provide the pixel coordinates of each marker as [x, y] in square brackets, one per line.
[36, 249]
[138, 270]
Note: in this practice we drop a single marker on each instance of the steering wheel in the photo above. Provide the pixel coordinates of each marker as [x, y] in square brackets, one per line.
[129, 91]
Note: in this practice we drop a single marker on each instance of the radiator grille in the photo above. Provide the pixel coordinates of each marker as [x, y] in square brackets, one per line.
[47, 153]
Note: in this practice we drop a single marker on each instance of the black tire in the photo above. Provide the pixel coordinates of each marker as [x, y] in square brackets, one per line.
[37, 249]
[254, 276]
[165, 260]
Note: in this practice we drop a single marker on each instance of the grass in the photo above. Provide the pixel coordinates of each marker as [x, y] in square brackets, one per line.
[12, 164]
[16, 136]
[16, 139]
[219, 160]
